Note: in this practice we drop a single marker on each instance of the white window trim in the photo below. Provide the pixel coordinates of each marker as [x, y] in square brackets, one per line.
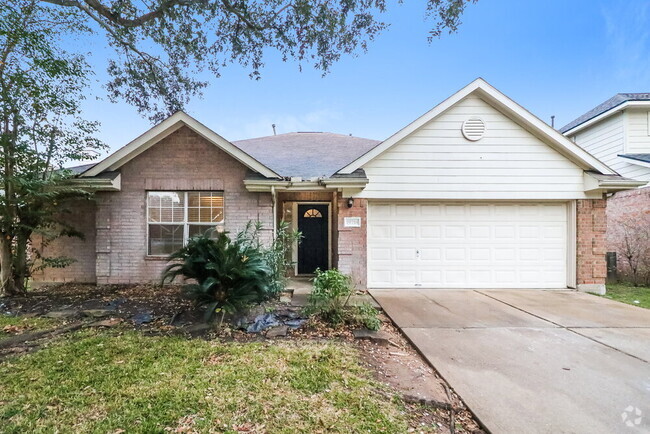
[186, 224]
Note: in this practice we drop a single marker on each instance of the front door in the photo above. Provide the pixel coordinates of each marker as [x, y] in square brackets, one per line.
[313, 248]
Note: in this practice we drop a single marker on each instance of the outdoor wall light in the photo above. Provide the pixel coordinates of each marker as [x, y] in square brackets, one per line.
[350, 203]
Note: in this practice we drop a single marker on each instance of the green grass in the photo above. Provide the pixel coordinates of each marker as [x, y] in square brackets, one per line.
[96, 381]
[635, 295]
[10, 325]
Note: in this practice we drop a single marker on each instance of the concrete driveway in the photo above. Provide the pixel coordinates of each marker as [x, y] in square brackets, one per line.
[534, 361]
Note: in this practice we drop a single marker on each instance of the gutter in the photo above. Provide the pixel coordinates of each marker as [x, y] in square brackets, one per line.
[272, 185]
[106, 183]
[597, 183]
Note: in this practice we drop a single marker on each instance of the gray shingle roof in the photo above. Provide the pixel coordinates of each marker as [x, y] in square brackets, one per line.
[645, 158]
[307, 155]
[614, 101]
[81, 169]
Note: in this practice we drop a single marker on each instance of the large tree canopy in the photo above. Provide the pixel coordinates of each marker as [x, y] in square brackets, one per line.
[41, 127]
[161, 45]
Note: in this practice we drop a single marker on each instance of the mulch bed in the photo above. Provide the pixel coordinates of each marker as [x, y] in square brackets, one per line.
[156, 310]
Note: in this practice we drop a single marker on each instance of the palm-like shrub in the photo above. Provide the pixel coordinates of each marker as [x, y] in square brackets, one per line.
[229, 275]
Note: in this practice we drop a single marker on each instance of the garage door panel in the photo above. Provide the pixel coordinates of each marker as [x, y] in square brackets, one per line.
[430, 254]
[483, 245]
[405, 232]
[404, 210]
[430, 231]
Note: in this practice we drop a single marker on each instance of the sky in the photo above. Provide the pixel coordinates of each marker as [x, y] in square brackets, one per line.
[554, 57]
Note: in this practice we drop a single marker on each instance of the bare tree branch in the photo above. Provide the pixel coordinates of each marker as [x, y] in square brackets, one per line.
[118, 19]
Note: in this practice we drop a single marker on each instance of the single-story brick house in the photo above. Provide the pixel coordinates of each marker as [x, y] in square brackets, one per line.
[476, 193]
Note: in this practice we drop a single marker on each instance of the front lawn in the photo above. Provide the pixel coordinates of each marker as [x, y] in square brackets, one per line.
[626, 293]
[12, 325]
[107, 381]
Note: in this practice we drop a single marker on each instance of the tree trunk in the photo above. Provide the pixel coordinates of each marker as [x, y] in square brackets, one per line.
[8, 287]
[21, 273]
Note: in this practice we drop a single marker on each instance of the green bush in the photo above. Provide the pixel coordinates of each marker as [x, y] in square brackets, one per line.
[277, 255]
[329, 301]
[230, 274]
[367, 316]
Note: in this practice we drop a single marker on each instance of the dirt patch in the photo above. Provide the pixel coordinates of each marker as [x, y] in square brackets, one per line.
[125, 301]
[430, 400]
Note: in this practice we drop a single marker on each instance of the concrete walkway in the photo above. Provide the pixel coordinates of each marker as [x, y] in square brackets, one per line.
[534, 361]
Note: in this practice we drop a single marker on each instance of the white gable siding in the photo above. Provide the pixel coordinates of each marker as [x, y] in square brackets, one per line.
[638, 132]
[605, 140]
[437, 162]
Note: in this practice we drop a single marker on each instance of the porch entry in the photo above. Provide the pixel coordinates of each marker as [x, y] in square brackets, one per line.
[313, 223]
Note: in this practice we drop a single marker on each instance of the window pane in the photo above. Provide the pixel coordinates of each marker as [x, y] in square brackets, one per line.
[153, 200]
[211, 231]
[193, 214]
[217, 215]
[166, 206]
[205, 207]
[171, 199]
[165, 239]
[205, 215]
[168, 214]
[179, 215]
[154, 214]
[193, 198]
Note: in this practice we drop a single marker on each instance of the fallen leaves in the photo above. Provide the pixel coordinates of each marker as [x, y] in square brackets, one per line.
[14, 329]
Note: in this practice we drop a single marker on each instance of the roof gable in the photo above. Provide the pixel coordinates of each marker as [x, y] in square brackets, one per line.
[603, 110]
[505, 105]
[164, 129]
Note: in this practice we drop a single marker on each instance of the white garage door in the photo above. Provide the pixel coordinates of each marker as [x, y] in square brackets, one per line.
[487, 245]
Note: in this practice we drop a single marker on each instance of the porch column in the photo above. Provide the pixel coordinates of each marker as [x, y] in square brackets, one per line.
[591, 245]
[352, 240]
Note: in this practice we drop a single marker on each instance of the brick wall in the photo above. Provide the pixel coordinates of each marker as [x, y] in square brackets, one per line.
[628, 212]
[115, 223]
[181, 161]
[352, 241]
[591, 268]
[81, 214]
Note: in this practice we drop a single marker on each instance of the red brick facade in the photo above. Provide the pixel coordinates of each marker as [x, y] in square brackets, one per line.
[591, 268]
[181, 161]
[82, 214]
[353, 241]
[628, 216]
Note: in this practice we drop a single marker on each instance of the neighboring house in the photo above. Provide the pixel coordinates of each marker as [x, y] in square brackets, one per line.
[617, 132]
[476, 193]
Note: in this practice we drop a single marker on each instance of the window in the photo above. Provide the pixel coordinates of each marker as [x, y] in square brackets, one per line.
[312, 213]
[174, 216]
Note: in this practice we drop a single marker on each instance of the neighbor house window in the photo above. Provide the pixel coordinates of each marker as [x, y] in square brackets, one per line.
[175, 216]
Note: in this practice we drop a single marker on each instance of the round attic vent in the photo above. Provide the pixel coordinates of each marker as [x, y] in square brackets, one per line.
[473, 129]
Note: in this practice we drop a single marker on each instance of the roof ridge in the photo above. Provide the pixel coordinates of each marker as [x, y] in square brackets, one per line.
[605, 106]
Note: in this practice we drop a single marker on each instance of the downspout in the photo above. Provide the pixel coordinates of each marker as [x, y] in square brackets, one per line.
[275, 214]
